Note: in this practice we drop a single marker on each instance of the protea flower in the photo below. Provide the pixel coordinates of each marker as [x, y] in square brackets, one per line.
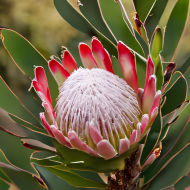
[97, 112]
[101, 124]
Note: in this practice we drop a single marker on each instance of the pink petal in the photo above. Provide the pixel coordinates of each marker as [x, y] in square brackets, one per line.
[68, 62]
[46, 124]
[139, 96]
[41, 77]
[101, 55]
[91, 151]
[124, 145]
[60, 137]
[40, 84]
[144, 122]
[76, 142]
[127, 62]
[150, 159]
[149, 93]
[153, 115]
[133, 137]
[138, 132]
[59, 73]
[86, 56]
[49, 111]
[105, 149]
[149, 70]
[156, 101]
[95, 135]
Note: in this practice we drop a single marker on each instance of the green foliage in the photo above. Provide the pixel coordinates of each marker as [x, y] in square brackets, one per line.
[156, 48]
[60, 167]
[179, 88]
[154, 16]
[175, 23]
[143, 8]
[176, 140]
[26, 57]
[169, 176]
[183, 183]
[152, 138]
[118, 26]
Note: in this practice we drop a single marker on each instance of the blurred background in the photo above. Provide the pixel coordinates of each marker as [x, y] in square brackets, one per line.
[40, 23]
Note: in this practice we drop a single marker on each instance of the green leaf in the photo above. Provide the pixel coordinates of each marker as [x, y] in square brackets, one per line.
[42, 154]
[84, 25]
[45, 162]
[165, 64]
[22, 179]
[169, 176]
[66, 9]
[174, 29]
[117, 67]
[168, 72]
[177, 86]
[156, 47]
[12, 145]
[183, 183]
[31, 131]
[143, 42]
[173, 79]
[176, 140]
[106, 37]
[141, 70]
[143, 8]
[27, 124]
[76, 180]
[187, 77]
[51, 160]
[171, 117]
[37, 145]
[52, 181]
[26, 56]
[90, 175]
[185, 67]
[156, 43]
[152, 138]
[3, 176]
[164, 132]
[79, 160]
[158, 72]
[13, 128]
[10, 103]
[90, 8]
[4, 184]
[154, 16]
[118, 26]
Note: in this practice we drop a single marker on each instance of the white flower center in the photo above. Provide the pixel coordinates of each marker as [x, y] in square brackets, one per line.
[99, 96]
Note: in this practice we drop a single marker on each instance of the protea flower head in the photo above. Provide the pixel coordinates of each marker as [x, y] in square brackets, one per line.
[97, 112]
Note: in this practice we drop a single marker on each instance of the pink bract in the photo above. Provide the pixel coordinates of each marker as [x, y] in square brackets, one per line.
[95, 140]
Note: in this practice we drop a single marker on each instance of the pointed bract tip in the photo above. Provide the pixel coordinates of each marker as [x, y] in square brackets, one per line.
[150, 159]
[133, 136]
[27, 145]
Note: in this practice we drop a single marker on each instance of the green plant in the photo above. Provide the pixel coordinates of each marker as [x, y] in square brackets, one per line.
[133, 138]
